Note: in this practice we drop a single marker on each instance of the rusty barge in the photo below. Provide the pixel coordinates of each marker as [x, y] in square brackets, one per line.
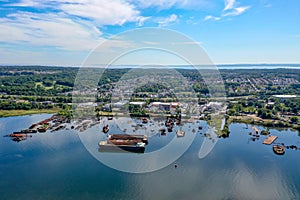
[124, 143]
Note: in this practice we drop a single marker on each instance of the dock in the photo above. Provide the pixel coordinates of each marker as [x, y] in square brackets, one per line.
[270, 139]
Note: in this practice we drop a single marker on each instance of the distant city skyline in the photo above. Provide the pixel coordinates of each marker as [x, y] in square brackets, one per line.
[63, 32]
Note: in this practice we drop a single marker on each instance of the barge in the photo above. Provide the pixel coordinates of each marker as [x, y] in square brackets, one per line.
[142, 138]
[17, 134]
[108, 146]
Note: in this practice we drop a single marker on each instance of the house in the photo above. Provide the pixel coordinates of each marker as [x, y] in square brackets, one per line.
[165, 106]
[119, 104]
[106, 107]
[138, 103]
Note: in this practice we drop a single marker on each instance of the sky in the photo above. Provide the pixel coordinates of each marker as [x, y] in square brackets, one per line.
[64, 32]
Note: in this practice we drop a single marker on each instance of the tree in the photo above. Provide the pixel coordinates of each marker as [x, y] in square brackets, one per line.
[294, 120]
[262, 113]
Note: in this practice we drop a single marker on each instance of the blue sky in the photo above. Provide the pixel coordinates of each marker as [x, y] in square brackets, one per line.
[63, 32]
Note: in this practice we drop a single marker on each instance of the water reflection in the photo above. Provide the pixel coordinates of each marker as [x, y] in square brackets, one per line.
[153, 159]
[57, 166]
[236, 181]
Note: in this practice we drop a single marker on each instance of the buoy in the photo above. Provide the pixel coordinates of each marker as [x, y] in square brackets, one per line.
[175, 165]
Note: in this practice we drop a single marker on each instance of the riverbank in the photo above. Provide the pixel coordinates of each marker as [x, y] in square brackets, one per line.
[253, 119]
[11, 113]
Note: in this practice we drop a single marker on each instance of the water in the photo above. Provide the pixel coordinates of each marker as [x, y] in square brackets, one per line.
[57, 166]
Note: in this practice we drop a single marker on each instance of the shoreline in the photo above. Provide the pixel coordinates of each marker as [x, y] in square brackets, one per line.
[15, 113]
[248, 119]
[251, 119]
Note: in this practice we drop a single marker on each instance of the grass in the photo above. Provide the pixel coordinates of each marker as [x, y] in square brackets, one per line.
[10, 113]
[263, 122]
[57, 86]
[42, 85]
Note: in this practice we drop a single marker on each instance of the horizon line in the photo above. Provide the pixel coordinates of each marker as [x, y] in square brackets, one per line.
[178, 66]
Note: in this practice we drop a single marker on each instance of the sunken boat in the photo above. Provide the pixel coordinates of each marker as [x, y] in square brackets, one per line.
[105, 129]
[144, 120]
[29, 131]
[279, 149]
[180, 133]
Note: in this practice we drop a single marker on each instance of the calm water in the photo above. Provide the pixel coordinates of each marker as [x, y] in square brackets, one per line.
[57, 166]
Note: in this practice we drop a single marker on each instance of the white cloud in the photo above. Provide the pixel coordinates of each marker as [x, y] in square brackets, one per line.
[157, 3]
[187, 43]
[167, 20]
[141, 20]
[103, 12]
[72, 26]
[28, 3]
[229, 4]
[210, 17]
[48, 30]
[230, 9]
[237, 11]
[165, 4]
